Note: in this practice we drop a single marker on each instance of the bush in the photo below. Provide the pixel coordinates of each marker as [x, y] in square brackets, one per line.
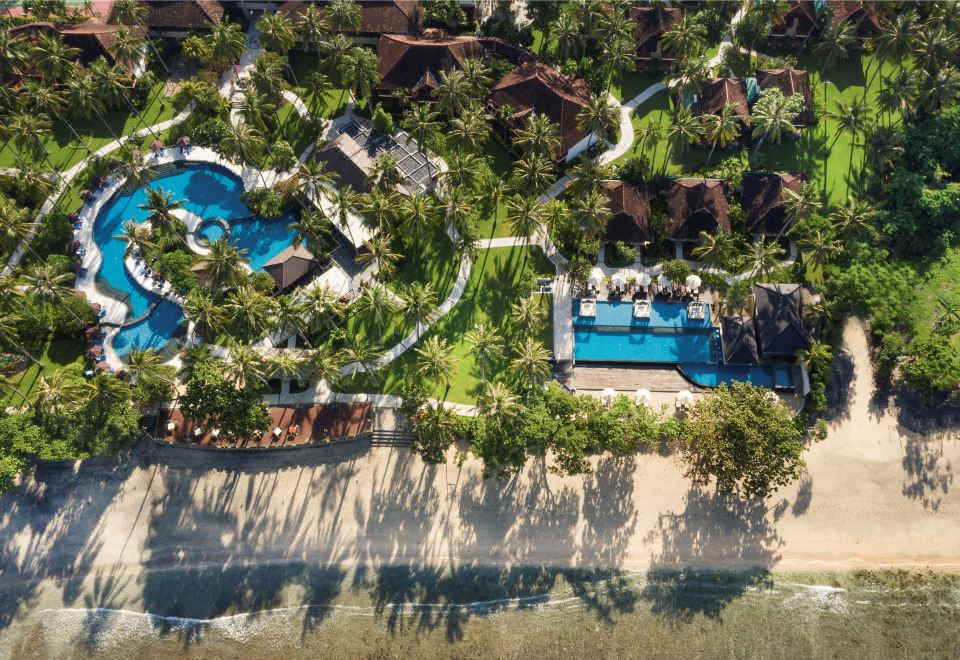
[677, 271]
[53, 234]
[208, 132]
[382, 120]
[283, 157]
[445, 14]
[265, 202]
[932, 366]
[635, 169]
[620, 254]
[175, 267]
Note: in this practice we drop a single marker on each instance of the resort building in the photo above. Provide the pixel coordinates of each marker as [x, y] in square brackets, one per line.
[763, 202]
[796, 25]
[535, 87]
[716, 93]
[377, 17]
[414, 63]
[291, 267]
[860, 14]
[93, 38]
[651, 24]
[779, 318]
[738, 337]
[351, 165]
[695, 206]
[629, 213]
[790, 82]
[177, 19]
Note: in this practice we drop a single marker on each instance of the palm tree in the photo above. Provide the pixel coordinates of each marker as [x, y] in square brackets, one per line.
[528, 315]
[257, 110]
[486, 344]
[688, 76]
[453, 93]
[532, 174]
[799, 205]
[385, 173]
[312, 178]
[320, 308]
[940, 88]
[421, 122]
[311, 27]
[496, 189]
[773, 115]
[245, 367]
[935, 46]
[319, 84]
[470, 130]
[377, 302]
[531, 362]
[764, 256]
[288, 316]
[588, 175]
[379, 210]
[599, 117]
[344, 15]
[619, 54]
[113, 86]
[648, 132]
[900, 93]
[83, 100]
[457, 206]
[276, 32]
[567, 31]
[14, 224]
[224, 263]
[852, 118]
[380, 253]
[227, 43]
[360, 73]
[366, 357]
[524, 214]
[684, 130]
[854, 219]
[435, 361]
[420, 304]
[497, 402]
[717, 249]
[205, 312]
[477, 75]
[817, 357]
[267, 76]
[245, 145]
[592, 211]
[137, 235]
[465, 170]
[284, 365]
[9, 334]
[417, 215]
[721, 130]
[250, 311]
[312, 229]
[818, 248]
[686, 37]
[127, 48]
[29, 133]
[539, 136]
[144, 366]
[104, 391]
[834, 45]
[161, 206]
[897, 34]
[345, 202]
[48, 100]
[53, 58]
[326, 364]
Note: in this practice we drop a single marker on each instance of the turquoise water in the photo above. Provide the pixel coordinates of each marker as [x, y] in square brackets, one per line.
[153, 331]
[711, 375]
[211, 232]
[643, 346]
[662, 315]
[207, 191]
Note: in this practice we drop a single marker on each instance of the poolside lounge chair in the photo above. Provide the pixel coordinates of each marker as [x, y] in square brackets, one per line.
[697, 311]
[588, 308]
[641, 309]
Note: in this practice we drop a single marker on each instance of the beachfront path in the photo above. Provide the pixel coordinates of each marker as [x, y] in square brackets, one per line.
[875, 494]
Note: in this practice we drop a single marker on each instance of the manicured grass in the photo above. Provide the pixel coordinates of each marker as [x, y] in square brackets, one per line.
[941, 282]
[63, 148]
[834, 163]
[627, 84]
[294, 129]
[494, 286]
[490, 224]
[56, 354]
[333, 100]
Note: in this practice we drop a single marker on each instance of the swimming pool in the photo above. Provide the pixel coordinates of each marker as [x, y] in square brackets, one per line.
[206, 190]
[211, 232]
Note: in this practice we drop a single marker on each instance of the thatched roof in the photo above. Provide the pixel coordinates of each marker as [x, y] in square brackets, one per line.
[717, 92]
[651, 24]
[376, 16]
[739, 340]
[406, 60]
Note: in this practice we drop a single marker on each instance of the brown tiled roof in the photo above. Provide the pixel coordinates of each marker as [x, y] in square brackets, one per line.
[629, 212]
[804, 12]
[404, 60]
[537, 87]
[763, 197]
[696, 205]
[857, 12]
[790, 82]
[376, 16]
[291, 266]
[92, 38]
[652, 22]
[348, 161]
[183, 14]
[717, 92]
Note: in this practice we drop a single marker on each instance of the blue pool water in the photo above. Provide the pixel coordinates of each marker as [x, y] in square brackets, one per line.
[209, 192]
[711, 375]
[153, 331]
[211, 232]
[643, 346]
[620, 313]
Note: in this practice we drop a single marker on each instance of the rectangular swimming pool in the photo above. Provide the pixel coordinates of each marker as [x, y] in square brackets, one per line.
[643, 345]
[620, 314]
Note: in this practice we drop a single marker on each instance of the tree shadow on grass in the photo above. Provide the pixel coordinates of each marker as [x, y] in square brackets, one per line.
[685, 580]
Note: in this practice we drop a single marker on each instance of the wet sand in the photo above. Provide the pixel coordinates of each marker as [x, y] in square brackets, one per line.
[197, 534]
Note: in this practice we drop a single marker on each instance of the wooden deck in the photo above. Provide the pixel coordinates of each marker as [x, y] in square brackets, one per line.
[317, 423]
[630, 379]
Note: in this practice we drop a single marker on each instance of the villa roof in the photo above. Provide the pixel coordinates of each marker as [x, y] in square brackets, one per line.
[779, 314]
[804, 12]
[537, 87]
[348, 161]
[183, 14]
[697, 205]
[790, 82]
[629, 212]
[405, 60]
[290, 266]
[717, 92]
[94, 39]
[651, 24]
[858, 13]
[739, 340]
[376, 16]
[763, 197]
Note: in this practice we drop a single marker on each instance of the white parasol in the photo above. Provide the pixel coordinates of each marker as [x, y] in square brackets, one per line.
[693, 281]
[643, 279]
[663, 282]
[607, 396]
[643, 397]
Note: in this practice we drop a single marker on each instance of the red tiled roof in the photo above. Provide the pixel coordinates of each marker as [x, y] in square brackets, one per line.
[790, 82]
[858, 13]
[717, 92]
[183, 14]
[697, 205]
[805, 14]
[629, 212]
[93, 39]
[652, 22]
[763, 197]
[537, 87]
[376, 16]
[404, 60]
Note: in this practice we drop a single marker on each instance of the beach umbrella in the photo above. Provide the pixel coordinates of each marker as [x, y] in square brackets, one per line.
[618, 281]
[607, 396]
[95, 307]
[684, 398]
[85, 194]
[93, 352]
[156, 146]
[693, 281]
[643, 397]
[184, 141]
[663, 281]
[93, 332]
[74, 216]
[643, 279]
[596, 277]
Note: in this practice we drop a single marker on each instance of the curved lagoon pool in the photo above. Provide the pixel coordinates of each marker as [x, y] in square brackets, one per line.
[208, 191]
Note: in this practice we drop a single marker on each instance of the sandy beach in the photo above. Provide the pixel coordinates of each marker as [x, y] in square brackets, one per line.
[95, 533]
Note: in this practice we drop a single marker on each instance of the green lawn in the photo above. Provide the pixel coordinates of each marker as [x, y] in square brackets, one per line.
[55, 355]
[494, 286]
[627, 84]
[834, 163]
[941, 282]
[294, 129]
[333, 101]
[490, 224]
[63, 148]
